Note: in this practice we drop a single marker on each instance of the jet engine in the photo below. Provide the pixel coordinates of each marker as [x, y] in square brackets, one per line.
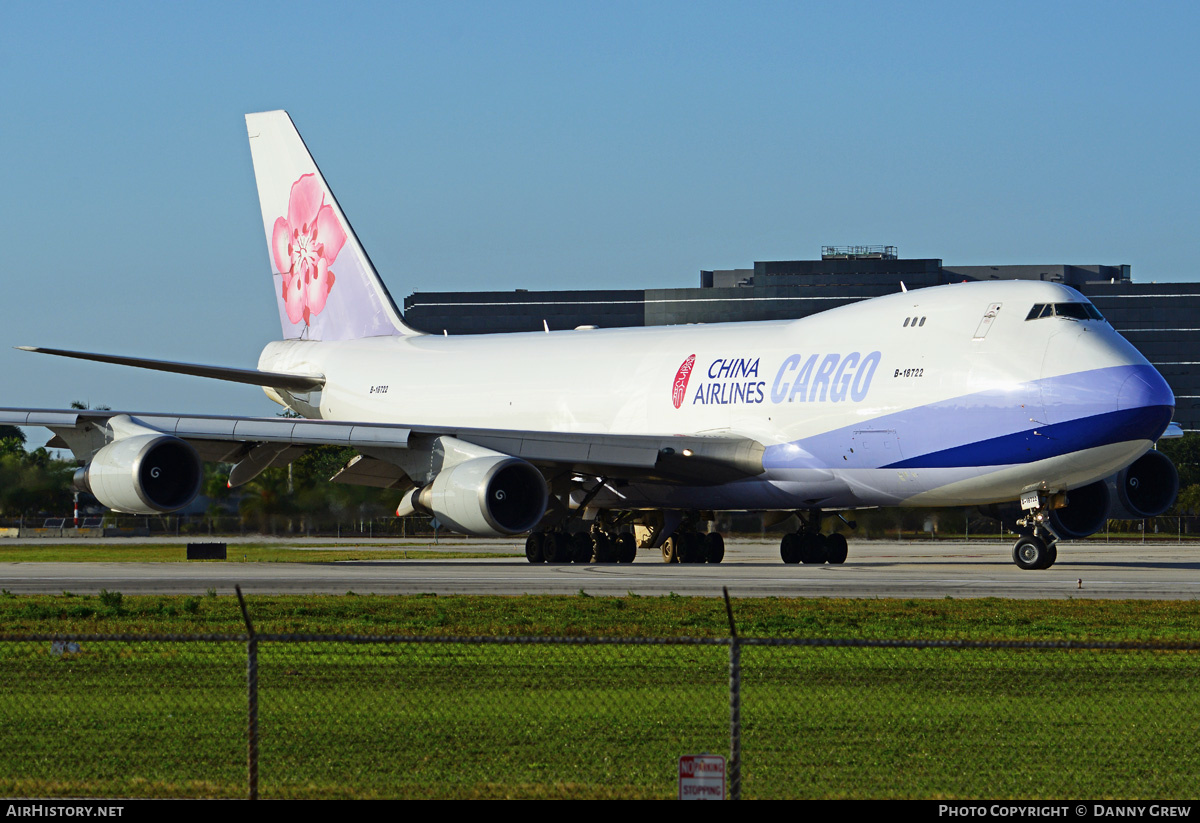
[1147, 487]
[488, 496]
[143, 474]
[1085, 513]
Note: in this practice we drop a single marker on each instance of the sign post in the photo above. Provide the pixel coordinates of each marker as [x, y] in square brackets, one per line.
[701, 777]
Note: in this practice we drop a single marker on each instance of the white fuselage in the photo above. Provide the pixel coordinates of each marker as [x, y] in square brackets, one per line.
[936, 396]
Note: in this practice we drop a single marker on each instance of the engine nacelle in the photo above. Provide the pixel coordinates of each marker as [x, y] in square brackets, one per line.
[1085, 513]
[143, 474]
[1147, 487]
[488, 496]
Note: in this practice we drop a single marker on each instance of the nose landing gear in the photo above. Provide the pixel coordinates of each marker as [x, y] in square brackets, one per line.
[1037, 548]
[1032, 552]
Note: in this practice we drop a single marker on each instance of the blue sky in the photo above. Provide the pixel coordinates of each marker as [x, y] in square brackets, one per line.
[562, 145]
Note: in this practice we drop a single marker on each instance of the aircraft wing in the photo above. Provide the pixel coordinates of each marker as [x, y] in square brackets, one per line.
[256, 443]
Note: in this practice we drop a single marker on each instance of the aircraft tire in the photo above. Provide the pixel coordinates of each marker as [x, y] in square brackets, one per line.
[789, 548]
[836, 548]
[626, 548]
[582, 549]
[533, 547]
[554, 548]
[693, 548]
[714, 547]
[670, 549]
[812, 548]
[1051, 555]
[685, 549]
[1030, 552]
[604, 549]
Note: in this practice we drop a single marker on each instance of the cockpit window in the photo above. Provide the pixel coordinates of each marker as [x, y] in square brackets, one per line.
[1073, 311]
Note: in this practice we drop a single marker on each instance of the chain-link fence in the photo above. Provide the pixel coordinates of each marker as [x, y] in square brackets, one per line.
[279, 716]
[925, 719]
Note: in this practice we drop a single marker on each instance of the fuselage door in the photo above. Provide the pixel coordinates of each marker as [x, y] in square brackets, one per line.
[986, 323]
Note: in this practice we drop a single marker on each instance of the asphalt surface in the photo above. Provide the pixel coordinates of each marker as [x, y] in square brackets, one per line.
[874, 569]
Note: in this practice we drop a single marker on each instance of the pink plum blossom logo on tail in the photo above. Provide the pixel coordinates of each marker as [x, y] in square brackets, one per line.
[304, 245]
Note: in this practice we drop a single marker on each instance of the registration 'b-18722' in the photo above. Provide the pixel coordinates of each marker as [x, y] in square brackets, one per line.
[1012, 393]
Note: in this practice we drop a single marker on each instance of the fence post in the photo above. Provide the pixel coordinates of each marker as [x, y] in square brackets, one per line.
[252, 699]
[735, 705]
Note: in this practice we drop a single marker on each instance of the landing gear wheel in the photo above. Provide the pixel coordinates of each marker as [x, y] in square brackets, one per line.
[692, 545]
[533, 547]
[714, 547]
[812, 548]
[581, 547]
[1031, 552]
[789, 548]
[604, 549]
[836, 548]
[554, 548]
[683, 547]
[670, 549]
[626, 548]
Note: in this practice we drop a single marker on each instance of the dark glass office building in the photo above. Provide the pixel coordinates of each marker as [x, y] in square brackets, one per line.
[1155, 317]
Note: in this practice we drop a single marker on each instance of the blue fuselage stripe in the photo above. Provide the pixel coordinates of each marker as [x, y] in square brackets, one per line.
[1048, 441]
[1008, 425]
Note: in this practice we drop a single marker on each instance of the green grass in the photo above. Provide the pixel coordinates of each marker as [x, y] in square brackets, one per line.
[236, 552]
[630, 616]
[155, 719]
[929, 723]
[120, 720]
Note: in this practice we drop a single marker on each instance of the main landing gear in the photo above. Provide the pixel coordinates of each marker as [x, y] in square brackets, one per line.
[600, 546]
[693, 547]
[581, 547]
[808, 545]
[1037, 548]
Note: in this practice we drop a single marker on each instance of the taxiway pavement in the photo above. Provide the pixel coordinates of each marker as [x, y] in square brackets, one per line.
[874, 569]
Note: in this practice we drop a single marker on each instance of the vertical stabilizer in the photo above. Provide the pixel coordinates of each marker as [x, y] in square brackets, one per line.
[325, 284]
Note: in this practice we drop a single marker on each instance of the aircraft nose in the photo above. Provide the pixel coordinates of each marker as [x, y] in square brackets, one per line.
[1143, 389]
[1146, 403]
[1102, 377]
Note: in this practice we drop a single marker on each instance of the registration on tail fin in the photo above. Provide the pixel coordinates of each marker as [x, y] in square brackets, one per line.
[325, 284]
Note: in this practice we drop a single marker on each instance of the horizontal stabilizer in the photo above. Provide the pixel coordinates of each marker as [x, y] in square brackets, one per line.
[253, 377]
